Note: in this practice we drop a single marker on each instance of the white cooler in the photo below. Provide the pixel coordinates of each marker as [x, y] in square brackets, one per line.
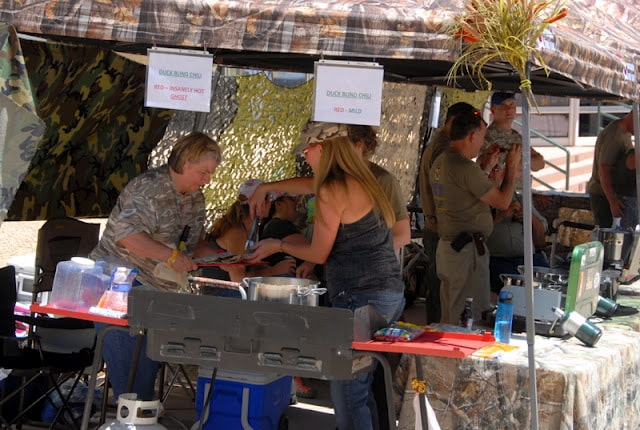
[25, 273]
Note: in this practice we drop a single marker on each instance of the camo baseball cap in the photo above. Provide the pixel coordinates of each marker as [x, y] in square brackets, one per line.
[316, 132]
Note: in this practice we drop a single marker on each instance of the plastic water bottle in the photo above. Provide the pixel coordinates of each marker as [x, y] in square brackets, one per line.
[466, 317]
[504, 317]
[119, 282]
[616, 224]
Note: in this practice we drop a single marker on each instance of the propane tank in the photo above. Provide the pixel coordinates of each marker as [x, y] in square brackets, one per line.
[133, 414]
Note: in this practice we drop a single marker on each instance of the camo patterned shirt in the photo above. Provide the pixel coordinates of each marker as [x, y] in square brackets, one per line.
[151, 204]
[505, 139]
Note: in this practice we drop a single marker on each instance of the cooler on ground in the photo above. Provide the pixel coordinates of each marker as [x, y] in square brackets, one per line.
[242, 399]
[25, 273]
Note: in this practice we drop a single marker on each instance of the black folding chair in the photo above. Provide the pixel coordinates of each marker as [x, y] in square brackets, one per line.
[35, 375]
[59, 240]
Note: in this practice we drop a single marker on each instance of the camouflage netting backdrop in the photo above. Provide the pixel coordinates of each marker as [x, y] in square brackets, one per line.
[99, 135]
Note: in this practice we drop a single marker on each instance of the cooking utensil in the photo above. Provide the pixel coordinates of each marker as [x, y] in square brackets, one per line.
[548, 275]
[282, 289]
[515, 279]
[254, 236]
[215, 287]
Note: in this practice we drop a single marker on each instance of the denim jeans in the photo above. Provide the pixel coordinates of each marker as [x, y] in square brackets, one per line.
[353, 402]
[630, 215]
[118, 351]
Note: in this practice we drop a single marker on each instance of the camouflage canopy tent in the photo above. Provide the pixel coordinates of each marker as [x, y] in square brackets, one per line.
[102, 135]
[593, 51]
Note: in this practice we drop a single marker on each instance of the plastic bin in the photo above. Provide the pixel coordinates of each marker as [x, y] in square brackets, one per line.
[78, 284]
[265, 398]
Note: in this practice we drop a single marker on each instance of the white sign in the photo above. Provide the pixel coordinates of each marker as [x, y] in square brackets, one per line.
[348, 92]
[179, 79]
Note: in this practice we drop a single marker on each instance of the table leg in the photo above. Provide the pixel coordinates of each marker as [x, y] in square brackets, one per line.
[96, 365]
[95, 368]
[134, 363]
[388, 383]
[421, 395]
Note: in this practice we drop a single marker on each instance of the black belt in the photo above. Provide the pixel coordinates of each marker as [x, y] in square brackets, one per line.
[464, 238]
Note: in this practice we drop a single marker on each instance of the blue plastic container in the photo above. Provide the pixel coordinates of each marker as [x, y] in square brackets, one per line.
[267, 396]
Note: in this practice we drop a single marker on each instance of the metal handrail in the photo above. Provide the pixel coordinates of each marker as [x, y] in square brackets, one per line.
[565, 171]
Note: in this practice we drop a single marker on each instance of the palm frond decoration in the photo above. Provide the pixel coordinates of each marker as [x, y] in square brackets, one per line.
[502, 31]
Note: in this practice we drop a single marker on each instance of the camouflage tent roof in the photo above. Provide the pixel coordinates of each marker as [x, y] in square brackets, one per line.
[592, 52]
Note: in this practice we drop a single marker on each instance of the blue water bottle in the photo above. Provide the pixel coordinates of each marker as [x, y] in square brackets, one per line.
[504, 317]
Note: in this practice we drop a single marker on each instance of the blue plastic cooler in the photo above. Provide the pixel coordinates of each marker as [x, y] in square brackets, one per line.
[258, 397]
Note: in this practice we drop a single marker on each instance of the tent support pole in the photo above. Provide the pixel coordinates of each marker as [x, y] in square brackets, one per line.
[201, 117]
[636, 142]
[528, 256]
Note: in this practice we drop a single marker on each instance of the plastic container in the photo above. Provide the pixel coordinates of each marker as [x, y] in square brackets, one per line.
[262, 396]
[67, 283]
[504, 317]
[94, 283]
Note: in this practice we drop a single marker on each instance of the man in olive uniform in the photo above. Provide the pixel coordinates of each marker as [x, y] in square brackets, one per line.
[463, 195]
[438, 143]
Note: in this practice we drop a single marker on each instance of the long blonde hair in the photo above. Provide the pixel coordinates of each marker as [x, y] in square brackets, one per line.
[233, 217]
[339, 159]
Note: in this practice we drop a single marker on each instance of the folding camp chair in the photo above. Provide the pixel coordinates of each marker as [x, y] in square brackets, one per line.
[60, 240]
[35, 375]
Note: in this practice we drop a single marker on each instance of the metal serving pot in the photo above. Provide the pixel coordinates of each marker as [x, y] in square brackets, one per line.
[616, 243]
[295, 291]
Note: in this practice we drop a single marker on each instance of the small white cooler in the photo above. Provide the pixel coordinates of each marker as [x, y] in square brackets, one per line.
[25, 273]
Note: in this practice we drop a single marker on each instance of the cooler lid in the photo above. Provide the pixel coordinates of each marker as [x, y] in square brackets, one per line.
[24, 263]
[584, 278]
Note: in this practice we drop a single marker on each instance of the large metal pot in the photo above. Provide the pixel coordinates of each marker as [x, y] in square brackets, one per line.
[296, 291]
[616, 243]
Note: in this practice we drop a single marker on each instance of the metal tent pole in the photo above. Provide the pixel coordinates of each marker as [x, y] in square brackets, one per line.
[528, 256]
